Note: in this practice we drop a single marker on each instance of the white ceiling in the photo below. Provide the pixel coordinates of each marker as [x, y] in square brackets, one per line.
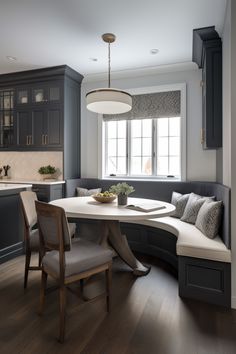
[43, 33]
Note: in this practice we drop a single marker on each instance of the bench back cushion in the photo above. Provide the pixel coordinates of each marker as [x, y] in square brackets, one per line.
[163, 191]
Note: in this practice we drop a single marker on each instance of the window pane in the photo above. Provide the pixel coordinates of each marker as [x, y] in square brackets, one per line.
[111, 128]
[121, 168]
[162, 147]
[147, 128]
[121, 125]
[147, 166]
[147, 146]
[162, 166]
[111, 165]
[162, 126]
[136, 128]
[174, 126]
[121, 147]
[174, 166]
[174, 146]
[111, 149]
[136, 146]
[136, 165]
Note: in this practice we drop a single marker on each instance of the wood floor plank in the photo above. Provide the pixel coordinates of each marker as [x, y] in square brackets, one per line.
[147, 316]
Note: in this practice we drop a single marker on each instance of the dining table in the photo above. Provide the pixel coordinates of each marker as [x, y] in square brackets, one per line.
[110, 216]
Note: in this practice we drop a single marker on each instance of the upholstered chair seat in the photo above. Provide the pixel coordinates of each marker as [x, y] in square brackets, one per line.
[83, 255]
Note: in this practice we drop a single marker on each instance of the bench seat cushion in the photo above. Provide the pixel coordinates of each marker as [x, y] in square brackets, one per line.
[191, 241]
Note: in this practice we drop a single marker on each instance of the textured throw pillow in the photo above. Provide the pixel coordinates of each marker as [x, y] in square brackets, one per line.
[193, 206]
[209, 218]
[84, 192]
[179, 201]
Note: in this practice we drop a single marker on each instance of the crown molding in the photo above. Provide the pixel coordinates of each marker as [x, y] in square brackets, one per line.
[143, 71]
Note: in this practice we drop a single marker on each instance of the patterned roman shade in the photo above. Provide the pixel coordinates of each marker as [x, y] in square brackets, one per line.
[151, 105]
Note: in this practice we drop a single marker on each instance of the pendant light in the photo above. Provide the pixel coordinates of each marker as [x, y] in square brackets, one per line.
[109, 100]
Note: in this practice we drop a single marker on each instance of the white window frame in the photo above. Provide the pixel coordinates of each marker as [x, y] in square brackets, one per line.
[183, 156]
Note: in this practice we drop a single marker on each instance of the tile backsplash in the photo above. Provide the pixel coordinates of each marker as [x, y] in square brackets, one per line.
[25, 165]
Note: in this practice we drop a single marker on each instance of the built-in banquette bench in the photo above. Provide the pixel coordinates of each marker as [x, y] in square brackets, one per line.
[203, 264]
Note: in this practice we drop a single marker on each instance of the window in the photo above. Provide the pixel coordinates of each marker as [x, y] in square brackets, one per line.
[143, 147]
[150, 140]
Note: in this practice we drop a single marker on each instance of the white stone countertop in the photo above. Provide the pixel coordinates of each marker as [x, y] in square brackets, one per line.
[49, 182]
[9, 186]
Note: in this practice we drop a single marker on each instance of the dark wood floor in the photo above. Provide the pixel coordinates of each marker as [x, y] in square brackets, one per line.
[147, 317]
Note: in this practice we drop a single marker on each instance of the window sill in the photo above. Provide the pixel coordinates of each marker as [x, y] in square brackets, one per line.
[146, 179]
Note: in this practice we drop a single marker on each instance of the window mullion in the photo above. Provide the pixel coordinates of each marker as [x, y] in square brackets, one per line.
[128, 153]
[106, 148]
[154, 147]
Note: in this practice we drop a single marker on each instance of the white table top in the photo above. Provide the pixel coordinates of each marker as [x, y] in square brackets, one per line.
[88, 208]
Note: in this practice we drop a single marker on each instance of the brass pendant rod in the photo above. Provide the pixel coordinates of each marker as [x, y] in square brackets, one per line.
[109, 64]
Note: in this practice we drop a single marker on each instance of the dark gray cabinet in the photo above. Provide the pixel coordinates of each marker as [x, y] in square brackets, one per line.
[45, 114]
[24, 128]
[48, 192]
[207, 53]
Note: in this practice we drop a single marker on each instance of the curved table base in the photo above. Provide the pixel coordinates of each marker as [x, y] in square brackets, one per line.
[111, 234]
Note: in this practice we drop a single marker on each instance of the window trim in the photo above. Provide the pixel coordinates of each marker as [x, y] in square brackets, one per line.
[183, 155]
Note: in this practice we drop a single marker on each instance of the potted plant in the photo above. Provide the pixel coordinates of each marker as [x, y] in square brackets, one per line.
[122, 190]
[47, 172]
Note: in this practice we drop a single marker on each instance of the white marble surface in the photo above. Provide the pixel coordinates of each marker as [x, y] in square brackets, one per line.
[30, 181]
[9, 186]
[88, 208]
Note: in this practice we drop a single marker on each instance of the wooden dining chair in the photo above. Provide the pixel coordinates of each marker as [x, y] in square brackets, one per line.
[31, 232]
[68, 262]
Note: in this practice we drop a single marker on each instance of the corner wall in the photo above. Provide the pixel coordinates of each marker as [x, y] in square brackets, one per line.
[201, 165]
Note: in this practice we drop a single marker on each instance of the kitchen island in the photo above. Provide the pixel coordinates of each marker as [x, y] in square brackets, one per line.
[11, 221]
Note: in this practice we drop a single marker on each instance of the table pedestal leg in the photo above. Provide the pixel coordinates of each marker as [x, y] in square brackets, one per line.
[112, 234]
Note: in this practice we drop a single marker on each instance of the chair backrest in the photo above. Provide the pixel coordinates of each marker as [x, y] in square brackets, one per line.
[28, 199]
[53, 227]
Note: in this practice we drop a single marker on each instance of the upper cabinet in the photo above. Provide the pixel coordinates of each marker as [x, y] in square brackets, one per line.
[39, 94]
[207, 53]
[40, 111]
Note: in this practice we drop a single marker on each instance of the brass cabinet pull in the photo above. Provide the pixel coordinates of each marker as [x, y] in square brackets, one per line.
[31, 140]
[202, 136]
[46, 139]
[27, 139]
[42, 139]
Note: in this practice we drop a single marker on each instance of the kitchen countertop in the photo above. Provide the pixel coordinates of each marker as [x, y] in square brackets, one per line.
[16, 181]
[10, 186]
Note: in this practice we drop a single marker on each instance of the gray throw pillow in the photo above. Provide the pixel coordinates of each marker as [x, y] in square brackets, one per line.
[84, 192]
[193, 206]
[209, 218]
[179, 201]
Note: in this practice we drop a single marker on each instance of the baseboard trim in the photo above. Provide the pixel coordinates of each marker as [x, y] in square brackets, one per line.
[11, 252]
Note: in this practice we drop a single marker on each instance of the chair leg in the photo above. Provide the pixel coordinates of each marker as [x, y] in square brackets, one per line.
[62, 312]
[108, 287]
[40, 259]
[42, 291]
[27, 264]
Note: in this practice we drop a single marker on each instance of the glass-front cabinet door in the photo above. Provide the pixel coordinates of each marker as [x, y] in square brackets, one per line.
[50, 93]
[6, 118]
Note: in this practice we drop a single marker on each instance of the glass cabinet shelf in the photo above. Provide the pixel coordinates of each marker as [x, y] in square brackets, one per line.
[22, 97]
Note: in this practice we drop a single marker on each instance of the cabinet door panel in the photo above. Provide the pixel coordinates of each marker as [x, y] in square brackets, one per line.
[38, 127]
[54, 128]
[24, 127]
